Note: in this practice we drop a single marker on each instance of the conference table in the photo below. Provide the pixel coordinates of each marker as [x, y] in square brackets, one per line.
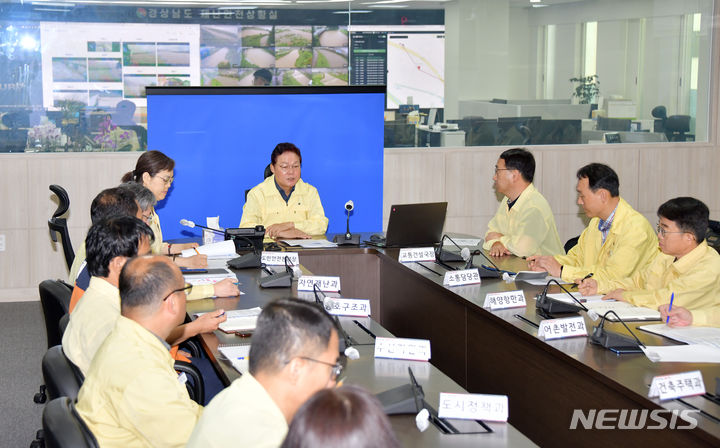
[487, 352]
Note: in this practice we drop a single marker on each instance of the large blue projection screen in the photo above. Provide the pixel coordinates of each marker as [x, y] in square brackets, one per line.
[221, 140]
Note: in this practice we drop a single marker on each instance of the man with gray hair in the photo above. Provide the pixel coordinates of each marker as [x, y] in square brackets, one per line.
[294, 353]
[132, 395]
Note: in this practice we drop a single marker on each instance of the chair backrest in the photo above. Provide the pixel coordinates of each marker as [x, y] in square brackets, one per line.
[55, 300]
[676, 126]
[59, 225]
[64, 428]
[62, 325]
[62, 377]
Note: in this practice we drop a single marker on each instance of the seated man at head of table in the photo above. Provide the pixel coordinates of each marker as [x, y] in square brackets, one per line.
[110, 243]
[132, 199]
[618, 241]
[294, 353]
[132, 395]
[524, 224]
[687, 272]
[283, 203]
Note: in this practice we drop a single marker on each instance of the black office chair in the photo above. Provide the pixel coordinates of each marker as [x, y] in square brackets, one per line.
[55, 301]
[195, 384]
[64, 428]
[62, 325]
[569, 244]
[676, 127]
[660, 115]
[267, 173]
[62, 377]
[58, 225]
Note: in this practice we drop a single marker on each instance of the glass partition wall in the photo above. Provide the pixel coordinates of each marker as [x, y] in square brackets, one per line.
[458, 73]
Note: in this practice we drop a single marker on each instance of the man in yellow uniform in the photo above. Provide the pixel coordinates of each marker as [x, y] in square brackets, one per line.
[523, 224]
[109, 202]
[132, 395]
[110, 243]
[687, 271]
[618, 241]
[132, 199]
[283, 203]
[294, 354]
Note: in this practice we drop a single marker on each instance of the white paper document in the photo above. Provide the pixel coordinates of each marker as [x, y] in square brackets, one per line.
[625, 310]
[467, 242]
[533, 278]
[310, 244]
[709, 336]
[223, 249]
[682, 353]
[239, 320]
[563, 297]
[238, 355]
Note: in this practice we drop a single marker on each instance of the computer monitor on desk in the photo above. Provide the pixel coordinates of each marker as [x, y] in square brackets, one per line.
[613, 124]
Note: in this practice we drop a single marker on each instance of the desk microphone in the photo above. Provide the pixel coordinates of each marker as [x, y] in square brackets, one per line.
[348, 238]
[616, 342]
[279, 279]
[249, 260]
[444, 255]
[191, 224]
[345, 342]
[549, 306]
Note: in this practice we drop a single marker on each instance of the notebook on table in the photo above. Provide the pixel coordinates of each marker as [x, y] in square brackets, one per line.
[413, 225]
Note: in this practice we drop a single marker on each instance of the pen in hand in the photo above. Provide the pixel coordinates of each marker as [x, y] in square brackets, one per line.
[667, 319]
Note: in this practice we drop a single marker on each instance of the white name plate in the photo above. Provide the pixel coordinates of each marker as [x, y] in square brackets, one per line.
[677, 385]
[278, 258]
[567, 327]
[505, 299]
[401, 348]
[408, 255]
[306, 282]
[493, 408]
[463, 277]
[347, 307]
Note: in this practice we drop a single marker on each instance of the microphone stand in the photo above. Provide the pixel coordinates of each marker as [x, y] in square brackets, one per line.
[348, 239]
[615, 342]
[546, 306]
[249, 260]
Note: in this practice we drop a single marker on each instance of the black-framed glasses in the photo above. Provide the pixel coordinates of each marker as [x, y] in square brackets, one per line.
[337, 368]
[187, 288]
[662, 232]
[503, 169]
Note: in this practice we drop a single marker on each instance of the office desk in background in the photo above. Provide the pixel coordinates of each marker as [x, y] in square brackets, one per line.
[495, 352]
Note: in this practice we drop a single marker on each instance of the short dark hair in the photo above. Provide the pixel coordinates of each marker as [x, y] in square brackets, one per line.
[113, 202]
[144, 197]
[151, 162]
[348, 416]
[600, 176]
[690, 215]
[284, 147]
[522, 160]
[287, 328]
[144, 282]
[265, 74]
[118, 236]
